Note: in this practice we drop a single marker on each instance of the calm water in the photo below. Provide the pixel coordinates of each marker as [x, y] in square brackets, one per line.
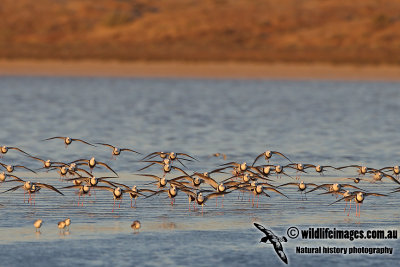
[327, 123]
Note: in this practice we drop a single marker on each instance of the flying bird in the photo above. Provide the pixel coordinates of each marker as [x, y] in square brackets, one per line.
[117, 151]
[274, 240]
[68, 140]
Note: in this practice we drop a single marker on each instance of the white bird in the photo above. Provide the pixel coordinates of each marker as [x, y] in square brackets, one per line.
[268, 154]
[61, 225]
[136, 225]
[38, 224]
[117, 151]
[92, 163]
[67, 222]
[4, 150]
[68, 140]
[11, 168]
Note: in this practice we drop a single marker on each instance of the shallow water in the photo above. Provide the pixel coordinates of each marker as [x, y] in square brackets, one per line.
[333, 123]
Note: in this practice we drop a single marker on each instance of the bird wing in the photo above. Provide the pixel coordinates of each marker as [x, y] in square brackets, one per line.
[351, 196]
[84, 160]
[375, 194]
[188, 192]
[279, 250]
[391, 178]
[83, 170]
[179, 169]
[108, 167]
[280, 154]
[349, 166]
[49, 187]
[104, 144]
[257, 158]
[20, 150]
[276, 191]
[146, 167]
[210, 181]
[349, 185]
[296, 184]
[105, 188]
[80, 140]
[151, 175]
[318, 187]
[267, 232]
[37, 158]
[151, 154]
[13, 188]
[59, 137]
[187, 155]
[23, 167]
[130, 150]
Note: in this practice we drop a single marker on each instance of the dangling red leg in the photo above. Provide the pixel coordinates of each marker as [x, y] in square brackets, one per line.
[113, 206]
[349, 209]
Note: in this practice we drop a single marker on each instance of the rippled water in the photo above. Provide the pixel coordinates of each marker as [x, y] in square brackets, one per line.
[337, 123]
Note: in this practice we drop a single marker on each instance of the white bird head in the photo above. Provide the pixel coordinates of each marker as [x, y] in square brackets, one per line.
[117, 192]
[266, 169]
[167, 168]
[360, 197]
[28, 185]
[243, 166]
[93, 181]
[3, 176]
[172, 155]
[221, 187]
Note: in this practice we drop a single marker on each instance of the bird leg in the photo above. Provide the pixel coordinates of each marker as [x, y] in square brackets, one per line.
[119, 206]
[113, 206]
[349, 209]
[258, 197]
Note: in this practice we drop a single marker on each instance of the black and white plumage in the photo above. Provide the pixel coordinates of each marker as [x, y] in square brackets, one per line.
[274, 240]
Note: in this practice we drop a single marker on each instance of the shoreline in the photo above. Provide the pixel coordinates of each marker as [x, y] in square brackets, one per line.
[200, 70]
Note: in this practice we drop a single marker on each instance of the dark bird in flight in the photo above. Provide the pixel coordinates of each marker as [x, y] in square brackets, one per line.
[274, 240]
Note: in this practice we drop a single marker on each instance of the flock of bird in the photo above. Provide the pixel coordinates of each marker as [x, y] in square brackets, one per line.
[259, 178]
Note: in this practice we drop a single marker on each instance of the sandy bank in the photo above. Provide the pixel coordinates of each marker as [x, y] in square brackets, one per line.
[208, 70]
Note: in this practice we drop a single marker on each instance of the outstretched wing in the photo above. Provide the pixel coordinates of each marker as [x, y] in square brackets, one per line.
[279, 250]
[264, 230]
